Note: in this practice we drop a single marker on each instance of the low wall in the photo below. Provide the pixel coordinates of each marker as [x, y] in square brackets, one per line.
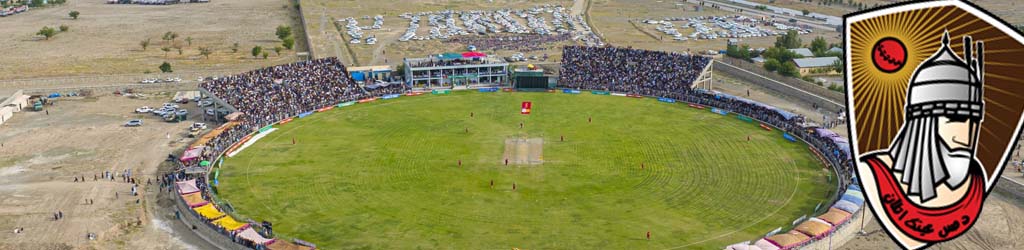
[202, 229]
[828, 99]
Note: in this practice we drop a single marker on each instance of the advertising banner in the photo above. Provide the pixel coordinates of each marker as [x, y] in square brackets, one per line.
[489, 90]
[789, 137]
[719, 111]
[325, 109]
[413, 93]
[619, 94]
[597, 92]
[367, 100]
[668, 100]
[440, 91]
[526, 108]
[696, 106]
[570, 91]
[344, 104]
[635, 96]
[744, 118]
[303, 115]
[391, 96]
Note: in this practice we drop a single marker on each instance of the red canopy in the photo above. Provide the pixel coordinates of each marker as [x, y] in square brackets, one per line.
[473, 54]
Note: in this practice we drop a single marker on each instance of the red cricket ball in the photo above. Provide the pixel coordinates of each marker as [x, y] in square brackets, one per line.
[889, 55]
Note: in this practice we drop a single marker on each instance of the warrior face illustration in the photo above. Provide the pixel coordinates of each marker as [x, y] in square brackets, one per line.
[944, 110]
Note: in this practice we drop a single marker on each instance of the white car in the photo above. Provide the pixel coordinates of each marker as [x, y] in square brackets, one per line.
[144, 109]
[181, 112]
[205, 103]
[211, 112]
[170, 105]
[199, 125]
[133, 123]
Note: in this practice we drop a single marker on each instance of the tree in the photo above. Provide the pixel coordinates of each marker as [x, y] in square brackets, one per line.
[205, 51]
[807, 12]
[819, 46]
[174, 36]
[838, 66]
[288, 43]
[256, 51]
[277, 49]
[166, 67]
[189, 41]
[265, 54]
[234, 48]
[790, 40]
[167, 36]
[47, 32]
[283, 32]
[789, 69]
[144, 44]
[35, 3]
[63, 28]
[179, 51]
[74, 14]
[166, 49]
[771, 64]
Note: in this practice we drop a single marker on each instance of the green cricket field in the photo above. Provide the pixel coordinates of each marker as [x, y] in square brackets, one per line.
[417, 173]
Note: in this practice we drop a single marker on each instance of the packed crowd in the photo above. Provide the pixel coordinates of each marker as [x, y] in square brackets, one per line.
[628, 70]
[517, 42]
[274, 93]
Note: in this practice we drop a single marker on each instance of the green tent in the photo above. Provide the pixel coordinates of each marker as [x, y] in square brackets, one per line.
[204, 163]
[449, 56]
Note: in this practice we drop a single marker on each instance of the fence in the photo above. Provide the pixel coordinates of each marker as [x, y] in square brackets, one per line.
[789, 86]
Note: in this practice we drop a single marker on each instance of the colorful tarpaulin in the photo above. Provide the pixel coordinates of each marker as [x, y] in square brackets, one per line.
[251, 235]
[285, 245]
[835, 216]
[187, 186]
[473, 54]
[847, 206]
[209, 212]
[230, 224]
[192, 153]
[194, 199]
[788, 239]
[449, 56]
[766, 245]
[814, 227]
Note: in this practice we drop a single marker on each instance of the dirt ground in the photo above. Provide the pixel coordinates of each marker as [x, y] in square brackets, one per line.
[82, 137]
[106, 38]
[999, 227]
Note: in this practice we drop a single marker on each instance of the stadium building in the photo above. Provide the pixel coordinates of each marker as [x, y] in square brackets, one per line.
[455, 69]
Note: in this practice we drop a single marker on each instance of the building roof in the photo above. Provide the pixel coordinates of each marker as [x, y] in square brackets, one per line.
[805, 52]
[814, 62]
[835, 49]
[370, 68]
[758, 59]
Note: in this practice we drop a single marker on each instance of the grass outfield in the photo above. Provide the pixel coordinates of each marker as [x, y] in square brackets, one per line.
[384, 175]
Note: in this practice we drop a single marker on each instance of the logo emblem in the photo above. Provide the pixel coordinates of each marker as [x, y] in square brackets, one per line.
[935, 93]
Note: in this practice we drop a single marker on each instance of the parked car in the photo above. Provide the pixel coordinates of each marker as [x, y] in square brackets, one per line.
[144, 109]
[163, 111]
[205, 103]
[170, 105]
[133, 123]
[199, 126]
[211, 112]
[181, 112]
